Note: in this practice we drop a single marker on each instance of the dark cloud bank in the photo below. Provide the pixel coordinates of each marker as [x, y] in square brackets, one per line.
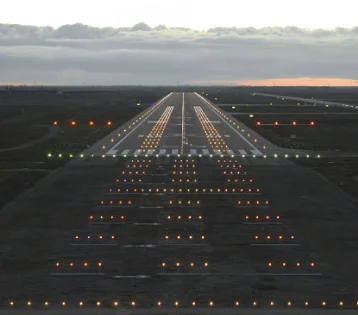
[77, 54]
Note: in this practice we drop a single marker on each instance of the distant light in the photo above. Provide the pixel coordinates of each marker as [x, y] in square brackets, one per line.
[55, 123]
[73, 123]
[109, 123]
[91, 123]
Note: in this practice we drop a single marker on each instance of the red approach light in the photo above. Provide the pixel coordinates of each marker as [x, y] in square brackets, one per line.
[294, 123]
[91, 123]
[109, 123]
[73, 123]
[312, 123]
[55, 123]
[258, 123]
[276, 123]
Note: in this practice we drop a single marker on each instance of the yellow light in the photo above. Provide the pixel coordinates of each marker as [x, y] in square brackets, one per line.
[193, 303]
[63, 303]
[323, 303]
[211, 303]
[272, 303]
[115, 303]
[81, 303]
[28, 303]
[340, 303]
[133, 303]
[237, 303]
[12, 303]
[159, 303]
[288, 303]
[176, 303]
[98, 303]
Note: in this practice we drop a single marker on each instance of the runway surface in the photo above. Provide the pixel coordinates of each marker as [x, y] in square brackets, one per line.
[180, 205]
[182, 116]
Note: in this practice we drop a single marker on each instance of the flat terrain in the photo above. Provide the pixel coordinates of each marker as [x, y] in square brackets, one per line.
[286, 122]
[40, 123]
[182, 203]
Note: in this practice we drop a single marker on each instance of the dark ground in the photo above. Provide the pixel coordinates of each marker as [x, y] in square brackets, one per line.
[39, 231]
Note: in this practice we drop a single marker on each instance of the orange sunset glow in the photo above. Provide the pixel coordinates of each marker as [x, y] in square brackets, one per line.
[286, 82]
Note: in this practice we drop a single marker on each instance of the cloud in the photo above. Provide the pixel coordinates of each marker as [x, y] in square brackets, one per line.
[77, 54]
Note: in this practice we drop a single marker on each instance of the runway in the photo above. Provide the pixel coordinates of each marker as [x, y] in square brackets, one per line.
[180, 215]
[180, 117]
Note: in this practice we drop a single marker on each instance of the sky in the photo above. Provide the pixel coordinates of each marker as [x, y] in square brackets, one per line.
[228, 42]
[195, 14]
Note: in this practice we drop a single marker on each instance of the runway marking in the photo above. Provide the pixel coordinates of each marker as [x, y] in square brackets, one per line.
[182, 127]
[137, 152]
[242, 152]
[141, 246]
[215, 121]
[193, 152]
[152, 121]
[132, 277]
[125, 152]
[218, 152]
[154, 223]
[231, 152]
[277, 244]
[206, 152]
[238, 133]
[256, 152]
[78, 274]
[88, 244]
[175, 151]
[169, 147]
[285, 274]
[140, 136]
[227, 136]
[188, 274]
[162, 151]
[112, 150]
